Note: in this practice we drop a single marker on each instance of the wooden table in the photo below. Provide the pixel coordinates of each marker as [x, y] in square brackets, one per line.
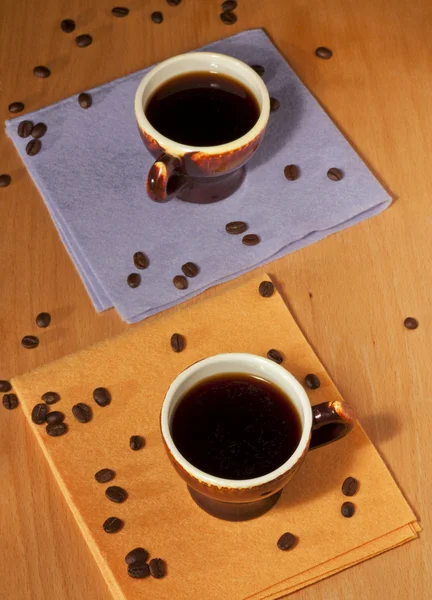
[350, 293]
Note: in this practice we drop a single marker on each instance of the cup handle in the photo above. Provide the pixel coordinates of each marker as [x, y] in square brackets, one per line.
[165, 178]
[331, 421]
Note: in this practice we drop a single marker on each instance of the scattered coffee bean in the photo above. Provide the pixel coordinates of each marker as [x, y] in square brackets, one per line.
[190, 269]
[177, 342]
[180, 282]
[50, 397]
[136, 442]
[235, 227]
[229, 5]
[85, 100]
[102, 396]
[39, 130]
[41, 71]
[228, 17]
[54, 417]
[133, 280]
[33, 147]
[43, 320]
[136, 555]
[323, 52]
[251, 239]
[16, 107]
[116, 494]
[411, 323]
[84, 40]
[120, 11]
[104, 475]
[157, 17]
[82, 412]
[291, 172]
[334, 174]
[67, 25]
[258, 69]
[56, 429]
[112, 524]
[10, 401]
[286, 541]
[29, 342]
[140, 260]
[5, 180]
[275, 356]
[266, 289]
[274, 104]
[173, 2]
[312, 381]
[39, 413]
[347, 509]
[5, 386]
[139, 570]
[24, 128]
[350, 486]
[157, 568]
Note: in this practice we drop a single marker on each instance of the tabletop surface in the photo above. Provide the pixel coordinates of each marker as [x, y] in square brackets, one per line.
[349, 293]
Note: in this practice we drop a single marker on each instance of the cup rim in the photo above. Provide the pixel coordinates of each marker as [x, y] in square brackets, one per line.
[221, 482]
[178, 148]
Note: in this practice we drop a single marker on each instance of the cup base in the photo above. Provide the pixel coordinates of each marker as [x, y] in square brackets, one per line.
[230, 511]
[206, 190]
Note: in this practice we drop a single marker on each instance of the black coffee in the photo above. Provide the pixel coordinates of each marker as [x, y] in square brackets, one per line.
[202, 109]
[236, 426]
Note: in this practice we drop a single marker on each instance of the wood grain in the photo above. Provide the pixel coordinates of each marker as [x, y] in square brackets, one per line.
[350, 293]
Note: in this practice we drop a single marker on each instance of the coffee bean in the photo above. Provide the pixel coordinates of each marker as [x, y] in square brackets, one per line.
[323, 52]
[116, 494]
[347, 509]
[136, 555]
[82, 412]
[104, 475]
[54, 417]
[30, 342]
[312, 381]
[24, 128]
[235, 227]
[180, 282]
[286, 541]
[67, 25]
[10, 401]
[43, 320]
[120, 11]
[56, 429]
[177, 342]
[411, 323]
[173, 2]
[291, 172]
[112, 524]
[228, 17]
[334, 174]
[190, 269]
[133, 280]
[138, 570]
[41, 71]
[5, 180]
[102, 396]
[39, 413]
[136, 442]
[266, 289]
[33, 147]
[16, 107]
[229, 5]
[5, 386]
[251, 239]
[157, 17]
[39, 130]
[350, 486]
[274, 104]
[84, 40]
[85, 100]
[275, 356]
[258, 69]
[50, 397]
[157, 568]
[140, 260]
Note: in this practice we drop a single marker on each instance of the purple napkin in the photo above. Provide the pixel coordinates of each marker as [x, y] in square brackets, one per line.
[92, 169]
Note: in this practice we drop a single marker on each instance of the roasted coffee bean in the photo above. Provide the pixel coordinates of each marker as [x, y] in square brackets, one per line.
[5, 180]
[251, 239]
[266, 289]
[43, 320]
[286, 541]
[173, 2]
[291, 172]
[228, 17]
[157, 17]
[82, 412]
[350, 486]
[177, 342]
[133, 280]
[180, 282]
[104, 475]
[334, 174]
[25, 128]
[10, 401]
[275, 356]
[67, 25]
[323, 52]
[56, 429]
[85, 100]
[54, 417]
[190, 269]
[50, 397]
[347, 509]
[120, 11]
[312, 381]
[116, 494]
[33, 147]
[102, 396]
[274, 104]
[39, 413]
[136, 442]
[138, 570]
[39, 130]
[5, 386]
[157, 568]
[136, 555]
[16, 107]
[258, 69]
[411, 323]
[229, 5]
[41, 71]
[29, 342]
[112, 524]
[236, 227]
[140, 260]
[84, 40]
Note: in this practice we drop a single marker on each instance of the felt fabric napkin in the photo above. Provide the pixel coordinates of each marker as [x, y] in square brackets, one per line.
[206, 557]
[92, 169]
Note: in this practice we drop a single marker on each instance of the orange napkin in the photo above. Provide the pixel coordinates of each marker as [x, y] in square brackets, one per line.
[207, 557]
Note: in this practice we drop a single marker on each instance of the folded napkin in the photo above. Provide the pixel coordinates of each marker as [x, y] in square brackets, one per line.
[92, 169]
[206, 557]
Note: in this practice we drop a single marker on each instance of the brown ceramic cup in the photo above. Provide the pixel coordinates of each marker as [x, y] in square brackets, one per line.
[238, 500]
[198, 174]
